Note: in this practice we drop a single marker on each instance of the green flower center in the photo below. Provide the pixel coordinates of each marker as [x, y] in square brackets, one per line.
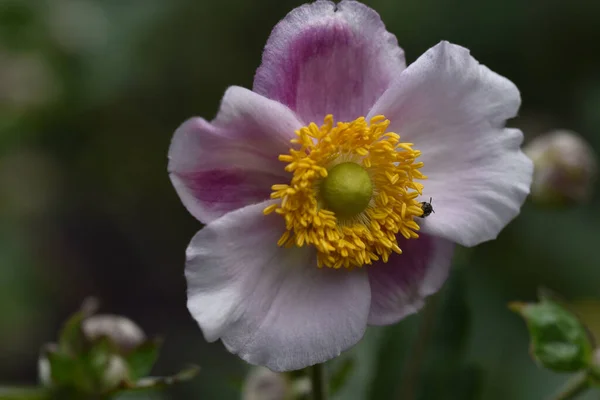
[347, 189]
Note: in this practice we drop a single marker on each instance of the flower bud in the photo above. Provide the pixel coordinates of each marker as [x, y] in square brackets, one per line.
[113, 373]
[264, 384]
[565, 168]
[123, 332]
[116, 371]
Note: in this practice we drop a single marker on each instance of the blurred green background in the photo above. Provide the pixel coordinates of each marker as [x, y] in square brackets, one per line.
[90, 94]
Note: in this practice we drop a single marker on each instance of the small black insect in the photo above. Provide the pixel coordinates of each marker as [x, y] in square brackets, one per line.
[427, 208]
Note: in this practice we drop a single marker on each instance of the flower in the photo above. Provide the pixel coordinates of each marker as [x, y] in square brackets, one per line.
[565, 168]
[311, 184]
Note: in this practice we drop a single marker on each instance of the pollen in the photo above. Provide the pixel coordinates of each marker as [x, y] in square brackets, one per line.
[352, 191]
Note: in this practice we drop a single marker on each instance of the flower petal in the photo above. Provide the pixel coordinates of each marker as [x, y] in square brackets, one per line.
[271, 305]
[400, 286]
[324, 59]
[232, 162]
[454, 110]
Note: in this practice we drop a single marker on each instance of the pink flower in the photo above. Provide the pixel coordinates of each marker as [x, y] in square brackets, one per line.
[310, 189]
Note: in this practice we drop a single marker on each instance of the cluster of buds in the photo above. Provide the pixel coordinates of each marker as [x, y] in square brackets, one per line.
[98, 355]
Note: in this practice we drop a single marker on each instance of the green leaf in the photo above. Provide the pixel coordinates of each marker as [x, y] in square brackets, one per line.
[62, 368]
[142, 358]
[559, 341]
[70, 374]
[71, 339]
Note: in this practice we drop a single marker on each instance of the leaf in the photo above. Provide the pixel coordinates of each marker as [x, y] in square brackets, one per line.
[62, 368]
[71, 374]
[71, 339]
[142, 359]
[559, 341]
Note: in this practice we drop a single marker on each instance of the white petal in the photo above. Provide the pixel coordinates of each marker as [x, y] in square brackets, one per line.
[454, 110]
[271, 305]
[232, 161]
[326, 58]
[400, 286]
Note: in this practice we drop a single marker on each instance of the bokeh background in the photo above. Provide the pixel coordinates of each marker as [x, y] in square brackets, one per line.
[90, 94]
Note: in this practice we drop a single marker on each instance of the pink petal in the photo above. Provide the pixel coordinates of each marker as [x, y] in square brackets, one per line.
[324, 59]
[400, 286]
[271, 305]
[454, 110]
[232, 162]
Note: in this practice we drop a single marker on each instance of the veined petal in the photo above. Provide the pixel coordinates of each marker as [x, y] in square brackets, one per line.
[400, 286]
[324, 58]
[232, 161]
[271, 305]
[454, 110]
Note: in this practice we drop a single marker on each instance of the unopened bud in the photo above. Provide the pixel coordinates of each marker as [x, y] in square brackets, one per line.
[123, 332]
[116, 371]
[264, 384]
[565, 168]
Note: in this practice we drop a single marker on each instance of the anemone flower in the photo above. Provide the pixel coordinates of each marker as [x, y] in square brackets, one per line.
[315, 186]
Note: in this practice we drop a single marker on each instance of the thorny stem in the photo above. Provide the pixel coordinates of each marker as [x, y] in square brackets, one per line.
[319, 385]
[412, 369]
[576, 386]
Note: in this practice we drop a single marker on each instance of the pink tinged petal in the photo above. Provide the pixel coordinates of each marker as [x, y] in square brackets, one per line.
[324, 59]
[454, 110]
[226, 164]
[271, 305]
[400, 286]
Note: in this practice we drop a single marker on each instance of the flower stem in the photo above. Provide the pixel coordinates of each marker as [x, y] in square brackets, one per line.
[576, 386]
[319, 385]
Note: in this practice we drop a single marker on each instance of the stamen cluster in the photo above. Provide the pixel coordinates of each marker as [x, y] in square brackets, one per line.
[370, 235]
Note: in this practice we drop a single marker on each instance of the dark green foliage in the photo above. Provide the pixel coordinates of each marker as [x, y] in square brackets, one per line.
[142, 359]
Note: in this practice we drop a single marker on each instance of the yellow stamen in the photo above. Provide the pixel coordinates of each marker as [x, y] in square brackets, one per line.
[349, 240]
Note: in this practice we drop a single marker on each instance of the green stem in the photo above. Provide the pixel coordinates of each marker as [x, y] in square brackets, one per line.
[576, 386]
[319, 385]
